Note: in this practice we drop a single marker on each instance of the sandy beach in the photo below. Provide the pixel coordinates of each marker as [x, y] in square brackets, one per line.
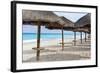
[53, 50]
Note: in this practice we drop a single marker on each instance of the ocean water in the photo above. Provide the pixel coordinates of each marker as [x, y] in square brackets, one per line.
[32, 36]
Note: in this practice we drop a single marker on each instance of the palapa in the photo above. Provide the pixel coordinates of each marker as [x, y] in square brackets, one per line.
[68, 26]
[84, 25]
[45, 18]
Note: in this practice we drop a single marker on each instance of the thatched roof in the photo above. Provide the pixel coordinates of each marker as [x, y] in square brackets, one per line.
[85, 21]
[44, 17]
[69, 25]
[82, 30]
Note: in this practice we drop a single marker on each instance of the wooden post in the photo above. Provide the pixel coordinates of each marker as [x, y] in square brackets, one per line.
[81, 37]
[74, 38]
[62, 39]
[38, 41]
[85, 36]
[88, 35]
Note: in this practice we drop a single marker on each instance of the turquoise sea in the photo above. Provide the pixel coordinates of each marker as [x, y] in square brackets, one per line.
[31, 36]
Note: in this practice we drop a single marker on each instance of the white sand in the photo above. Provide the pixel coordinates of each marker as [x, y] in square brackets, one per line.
[44, 43]
[53, 47]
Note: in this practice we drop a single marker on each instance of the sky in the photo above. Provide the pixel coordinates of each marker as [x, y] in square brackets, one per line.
[73, 16]
[69, 15]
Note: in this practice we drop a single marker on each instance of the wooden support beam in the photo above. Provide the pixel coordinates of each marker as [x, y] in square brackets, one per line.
[74, 38]
[89, 35]
[62, 39]
[85, 36]
[81, 37]
[38, 41]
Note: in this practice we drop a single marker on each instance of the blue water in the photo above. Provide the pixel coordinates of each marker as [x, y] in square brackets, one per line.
[31, 36]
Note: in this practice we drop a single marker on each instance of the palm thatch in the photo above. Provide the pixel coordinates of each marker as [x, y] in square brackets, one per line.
[68, 22]
[69, 25]
[85, 21]
[84, 24]
[44, 17]
[81, 30]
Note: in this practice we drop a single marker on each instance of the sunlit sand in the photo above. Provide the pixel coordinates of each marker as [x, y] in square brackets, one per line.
[53, 50]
